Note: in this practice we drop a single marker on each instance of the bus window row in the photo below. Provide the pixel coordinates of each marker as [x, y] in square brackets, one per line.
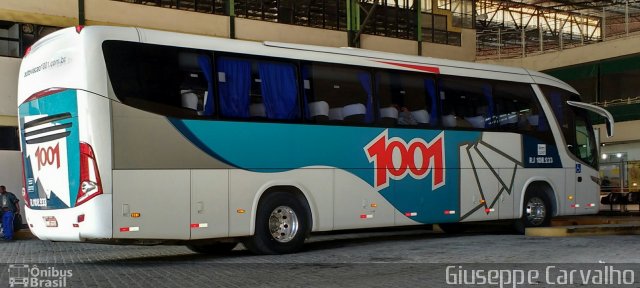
[193, 83]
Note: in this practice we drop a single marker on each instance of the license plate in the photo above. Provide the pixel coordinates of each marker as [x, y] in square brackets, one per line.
[50, 221]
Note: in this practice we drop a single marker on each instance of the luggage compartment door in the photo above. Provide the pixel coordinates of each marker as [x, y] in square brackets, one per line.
[209, 204]
[161, 199]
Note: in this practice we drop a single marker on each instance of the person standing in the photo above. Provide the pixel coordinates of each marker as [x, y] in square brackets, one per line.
[10, 207]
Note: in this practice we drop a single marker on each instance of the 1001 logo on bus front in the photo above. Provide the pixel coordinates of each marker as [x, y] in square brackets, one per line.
[395, 159]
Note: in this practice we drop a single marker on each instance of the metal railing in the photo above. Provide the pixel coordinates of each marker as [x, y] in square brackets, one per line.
[517, 40]
[389, 18]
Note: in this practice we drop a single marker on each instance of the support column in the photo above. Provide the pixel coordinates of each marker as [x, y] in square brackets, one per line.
[540, 33]
[353, 23]
[626, 18]
[499, 43]
[419, 28]
[523, 40]
[232, 19]
[81, 18]
[603, 24]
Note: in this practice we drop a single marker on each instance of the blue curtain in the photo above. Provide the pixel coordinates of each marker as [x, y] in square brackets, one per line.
[234, 91]
[430, 86]
[365, 81]
[279, 90]
[488, 95]
[205, 66]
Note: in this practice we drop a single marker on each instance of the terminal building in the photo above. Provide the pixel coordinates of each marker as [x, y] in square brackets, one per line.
[592, 45]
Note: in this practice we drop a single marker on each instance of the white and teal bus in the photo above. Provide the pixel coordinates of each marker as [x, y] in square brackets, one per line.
[137, 136]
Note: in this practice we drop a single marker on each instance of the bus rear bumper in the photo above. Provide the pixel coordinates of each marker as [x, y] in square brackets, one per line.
[91, 220]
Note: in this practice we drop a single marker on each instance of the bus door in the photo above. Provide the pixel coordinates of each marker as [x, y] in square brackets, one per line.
[587, 191]
[586, 149]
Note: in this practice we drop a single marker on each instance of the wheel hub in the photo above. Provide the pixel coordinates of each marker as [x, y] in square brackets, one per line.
[283, 224]
[536, 211]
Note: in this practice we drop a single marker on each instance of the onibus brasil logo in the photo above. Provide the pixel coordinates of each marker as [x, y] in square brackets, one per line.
[23, 275]
[393, 158]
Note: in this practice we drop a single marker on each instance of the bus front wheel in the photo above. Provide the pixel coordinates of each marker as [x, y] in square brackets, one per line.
[536, 212]
[282, 224]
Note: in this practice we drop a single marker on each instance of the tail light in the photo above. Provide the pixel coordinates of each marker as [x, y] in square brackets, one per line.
[79, 28]
[25, 195]
[90, 184]
[43, 93]
[27, 51]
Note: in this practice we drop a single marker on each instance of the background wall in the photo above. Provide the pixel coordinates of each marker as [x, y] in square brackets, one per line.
[247, 29]
[9, 68]
[11, 174]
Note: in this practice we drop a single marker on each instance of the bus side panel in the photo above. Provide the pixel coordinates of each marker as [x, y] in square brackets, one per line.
[161, 198]
[489, 168]
[358, 205]
[209, 203]
[246, 188]
[479, 187]
[143, 140]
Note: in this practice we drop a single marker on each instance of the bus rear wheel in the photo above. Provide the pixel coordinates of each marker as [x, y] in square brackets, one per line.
[536, 212]
[214, 248]
[282, 224]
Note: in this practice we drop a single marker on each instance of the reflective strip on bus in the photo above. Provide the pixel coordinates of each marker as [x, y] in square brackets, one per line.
[129, 229]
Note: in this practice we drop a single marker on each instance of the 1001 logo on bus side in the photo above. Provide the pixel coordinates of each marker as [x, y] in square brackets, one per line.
[394, 158]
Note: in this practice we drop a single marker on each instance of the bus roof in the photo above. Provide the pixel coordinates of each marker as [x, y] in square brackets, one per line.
[346, 55]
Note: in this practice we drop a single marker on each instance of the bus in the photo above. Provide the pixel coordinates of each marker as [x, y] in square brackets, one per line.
[136, 136]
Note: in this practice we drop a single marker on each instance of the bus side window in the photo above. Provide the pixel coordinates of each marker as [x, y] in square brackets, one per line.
[519, 110]
[195, 84]
[466, 103]
[165, 80]
[404, 98]
[517, 106]
[337, 93]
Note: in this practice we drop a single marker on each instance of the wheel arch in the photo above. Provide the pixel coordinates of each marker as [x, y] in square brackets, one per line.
[546, 186]
[288, 187]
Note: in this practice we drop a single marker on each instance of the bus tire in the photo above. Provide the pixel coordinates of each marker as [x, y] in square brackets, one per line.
[282, 223]
[536, 211]
[214, 248]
